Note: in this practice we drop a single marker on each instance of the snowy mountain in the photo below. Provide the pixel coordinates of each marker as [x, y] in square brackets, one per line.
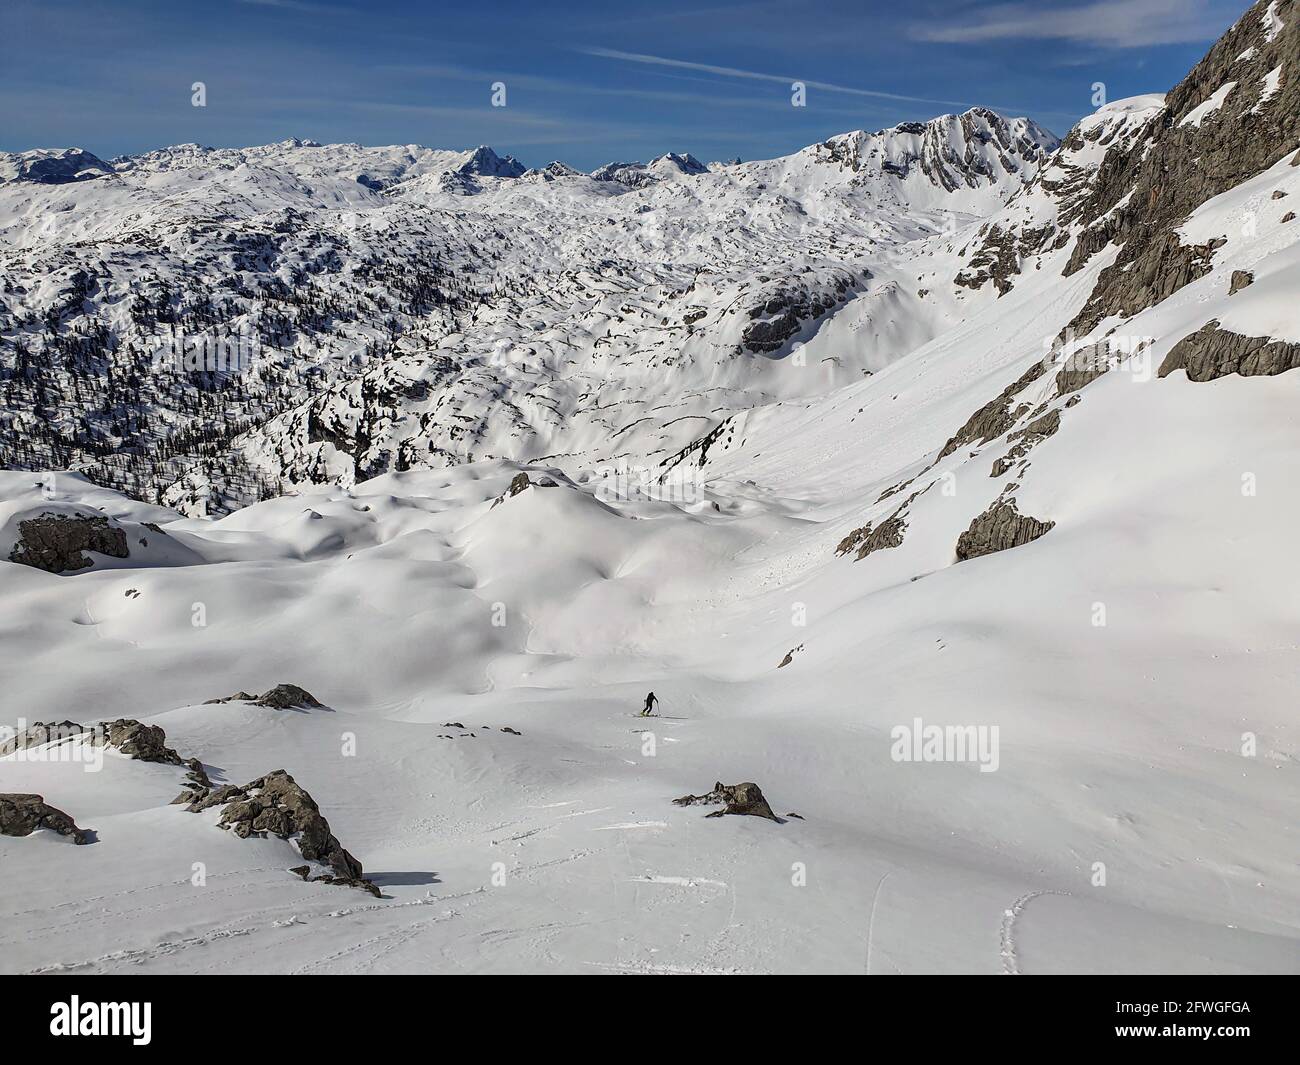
[936, 481]
[398, 308]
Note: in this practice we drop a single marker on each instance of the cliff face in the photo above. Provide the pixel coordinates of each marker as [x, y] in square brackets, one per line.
[1236, 114]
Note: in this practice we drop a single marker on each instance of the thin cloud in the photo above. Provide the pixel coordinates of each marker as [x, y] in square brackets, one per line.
[1110, 23]
[585, 89]
[752, 75]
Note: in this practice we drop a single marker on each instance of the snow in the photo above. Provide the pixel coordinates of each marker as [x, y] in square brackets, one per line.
[1201, 112]
[1273, 25]
[414, 599]
[1272, 81]
[1119, 745]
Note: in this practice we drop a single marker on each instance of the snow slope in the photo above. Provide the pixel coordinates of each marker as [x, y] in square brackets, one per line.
[829, 576]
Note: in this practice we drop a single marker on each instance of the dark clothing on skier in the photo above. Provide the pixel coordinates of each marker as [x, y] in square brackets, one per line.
[650, 702]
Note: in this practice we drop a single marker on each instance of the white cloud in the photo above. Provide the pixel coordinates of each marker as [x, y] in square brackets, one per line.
[1111, 23]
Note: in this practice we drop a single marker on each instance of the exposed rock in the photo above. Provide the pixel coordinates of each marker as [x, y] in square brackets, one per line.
[1213, 352]
[281, 697]
[789, 657]
[1289, 216]
[744, 798]
[995, 417]
[55, 542]
[276, 805]
[1144, 192]
[1028, 438]
[147, 743]
[21, 815]
[1083, 363]
[39, 734]
[286, 697]
[999, 528]
[784, 314]
[999, 256]
[886, 535]
[144, 743]
[1240, 279]
[853, 540]
[519, 483]
[507, 728]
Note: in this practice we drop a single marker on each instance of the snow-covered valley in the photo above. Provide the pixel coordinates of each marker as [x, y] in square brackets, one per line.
[951, 426]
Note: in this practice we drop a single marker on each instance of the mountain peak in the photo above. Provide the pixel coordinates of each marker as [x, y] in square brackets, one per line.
[484, 162]
[52, 166]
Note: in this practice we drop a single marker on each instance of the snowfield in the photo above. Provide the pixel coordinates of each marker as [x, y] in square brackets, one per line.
[910, 504]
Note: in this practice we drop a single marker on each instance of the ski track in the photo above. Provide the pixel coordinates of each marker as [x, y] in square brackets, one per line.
[1009, 954]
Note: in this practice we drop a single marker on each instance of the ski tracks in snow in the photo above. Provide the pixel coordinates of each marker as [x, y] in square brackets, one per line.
[1010, 955]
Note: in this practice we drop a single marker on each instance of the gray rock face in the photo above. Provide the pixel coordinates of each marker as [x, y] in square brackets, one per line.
[1213, 352]
[1240, 279]
[21, 815]
[55, 542]
[147, 743]
[144, 743]
[999, 528]
[1027, 439]
[281, 697]
[287, 697]
[866, 540]
[1142, 194]
[995, 417]
[746, 798]
[39, 734]
[521, 482]
[998, 257]
[784, 314]
[276, 805]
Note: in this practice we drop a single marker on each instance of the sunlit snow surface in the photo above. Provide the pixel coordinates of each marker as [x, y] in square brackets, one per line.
[1123, 830]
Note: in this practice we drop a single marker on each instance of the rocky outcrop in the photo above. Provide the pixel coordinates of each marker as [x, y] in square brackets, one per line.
[55, 542]
[1218, 129]
[1213, 352]
[999, 528]
[276, 805]
[998, 257]
[281, 697]
[744, 798]
[1027, 439]
[40, 734]
[21, 815]
[1240, 279]
[134, 739]
[784, 313]
[146, 743]
[996, 416]
[888, 534]
[519, 483]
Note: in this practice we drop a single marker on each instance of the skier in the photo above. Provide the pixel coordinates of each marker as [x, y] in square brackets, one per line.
[650, 703]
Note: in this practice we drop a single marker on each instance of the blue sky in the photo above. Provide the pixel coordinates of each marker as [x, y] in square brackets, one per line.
[586, 82]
